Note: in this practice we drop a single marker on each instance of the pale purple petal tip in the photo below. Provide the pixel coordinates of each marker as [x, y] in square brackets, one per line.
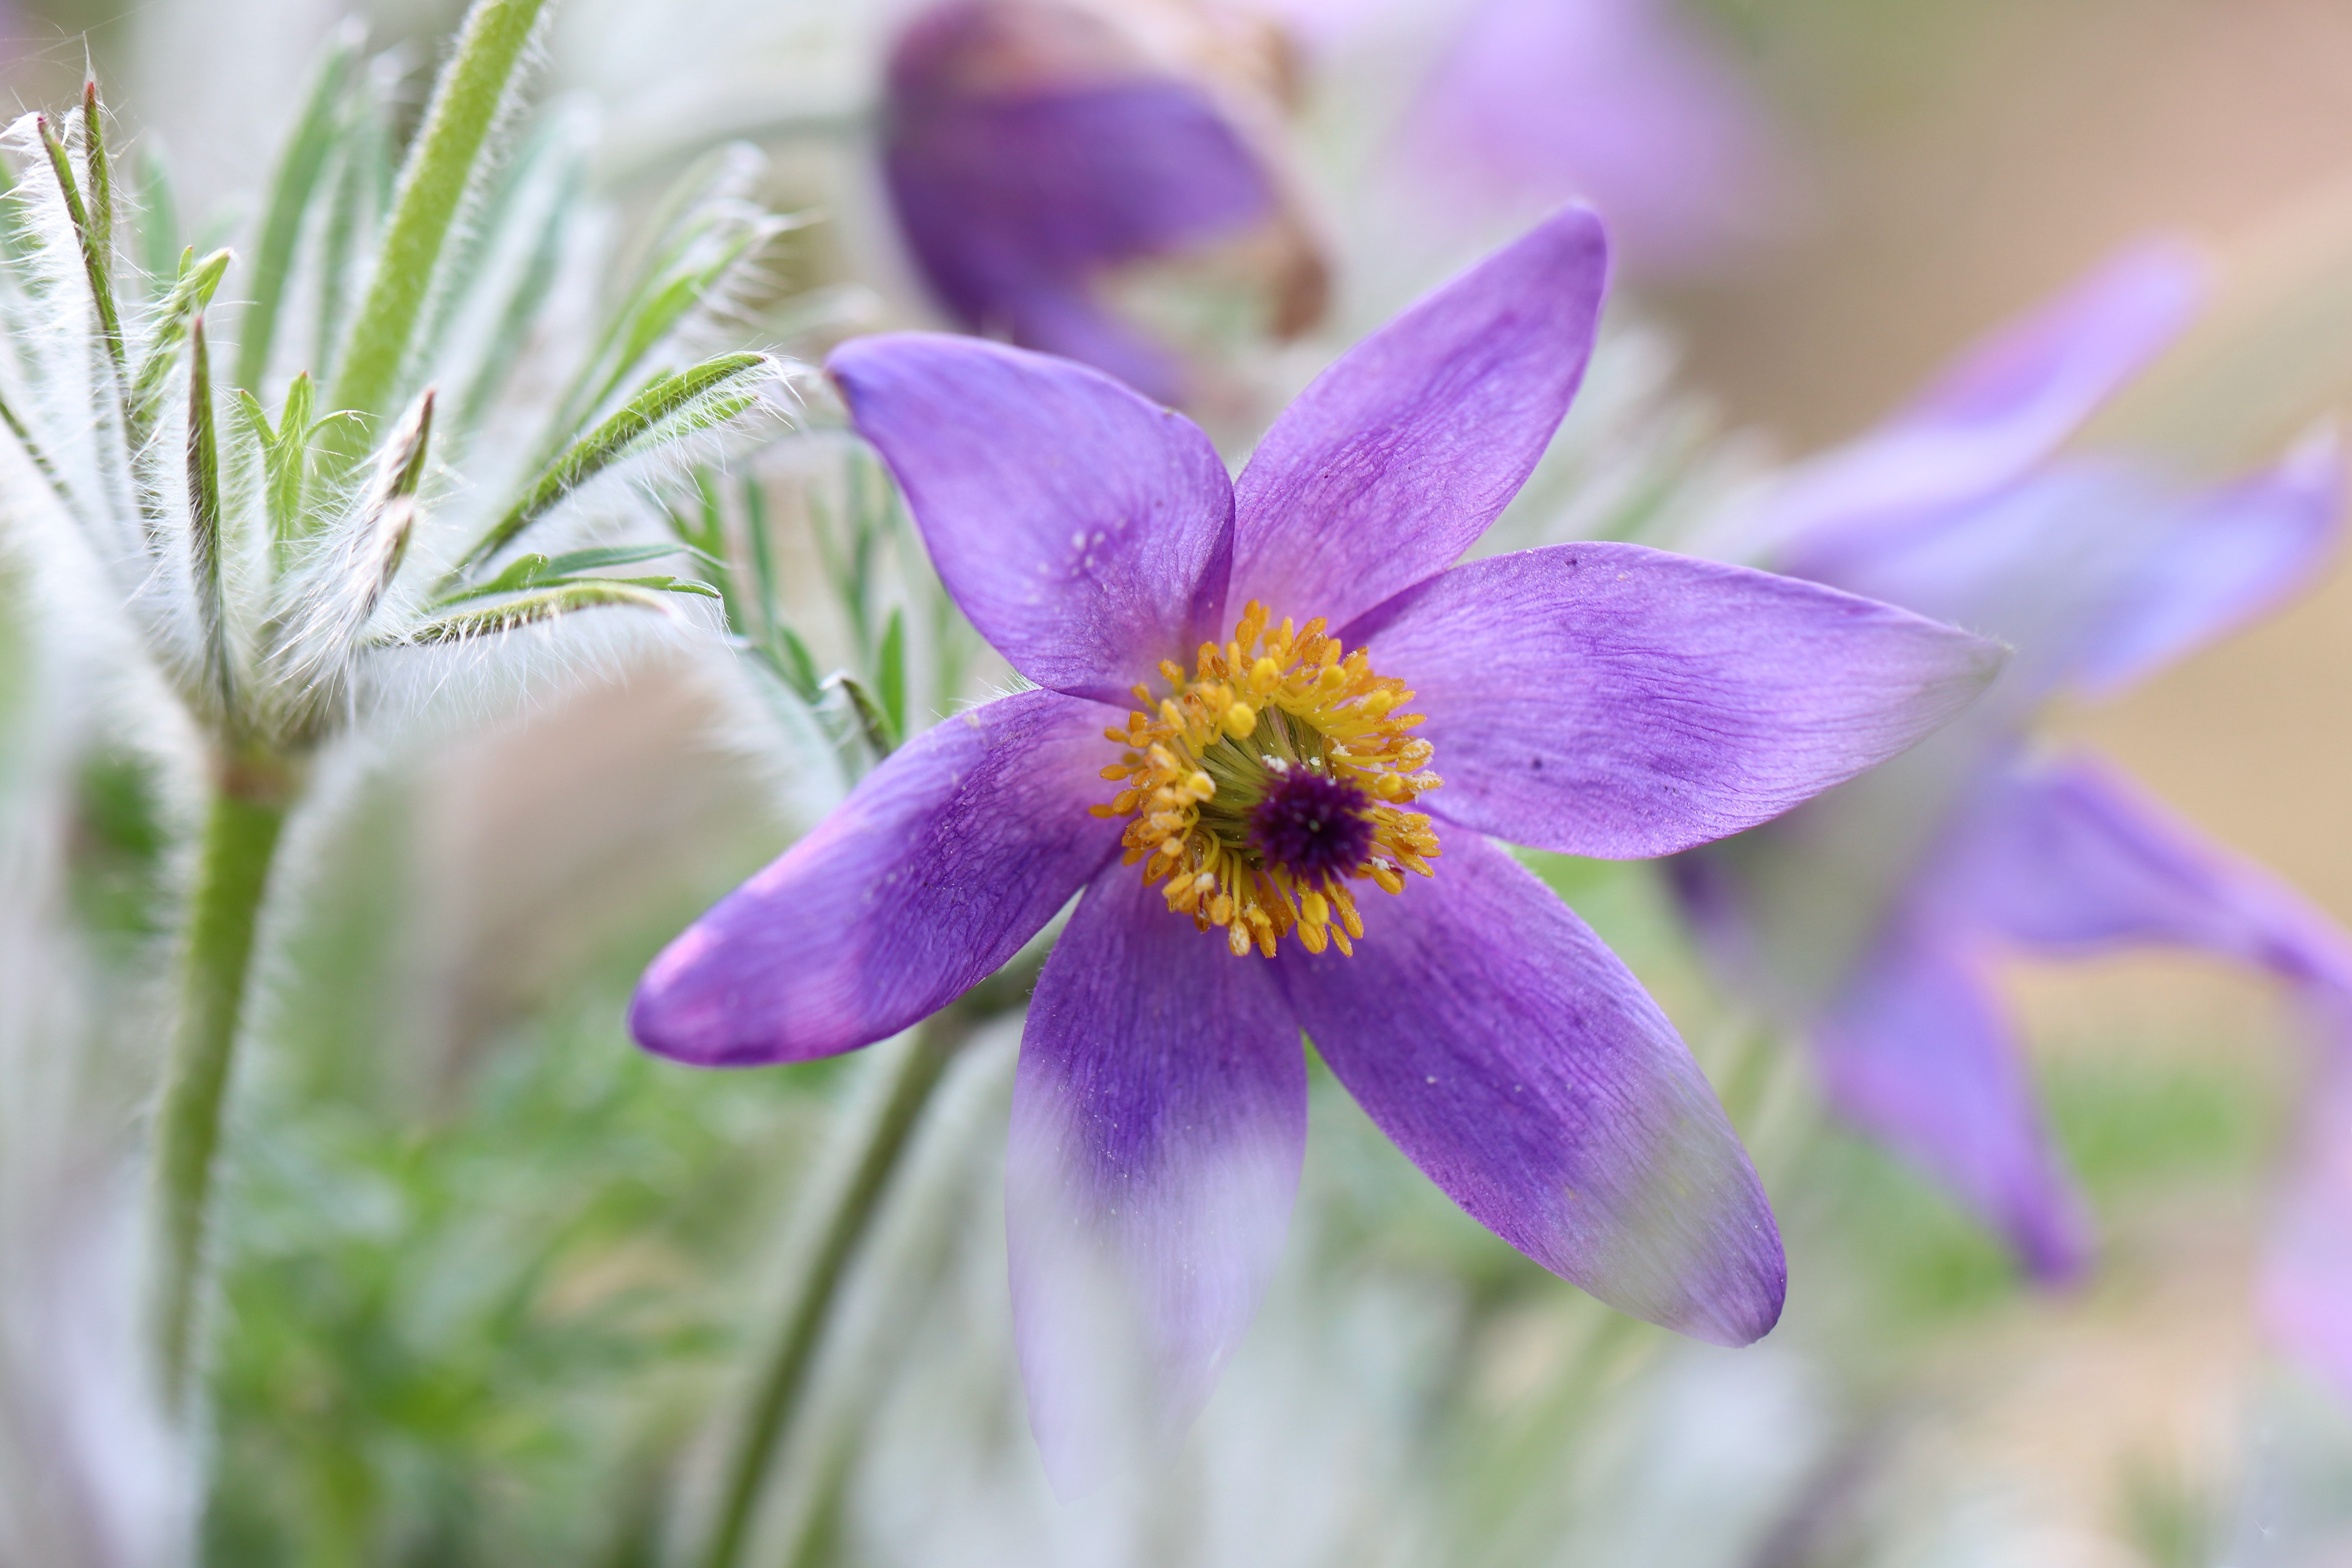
[930, 876]
[1399, 456]
[1158, 1123]
[2068, 858]
[2235, 552]
[1086, 531]
[1507, 1052]
[2003, 408]
[1612, 700]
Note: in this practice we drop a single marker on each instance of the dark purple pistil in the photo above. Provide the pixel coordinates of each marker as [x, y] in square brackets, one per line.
[1313, 826]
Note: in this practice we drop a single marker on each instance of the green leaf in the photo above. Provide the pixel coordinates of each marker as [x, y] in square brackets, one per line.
[872, 721]
[890, 673]
[799, 666]
[290, 201]
[96, 266]
[33, 450]
[704, 231]
[205, 527]
[102, 179]
[668, 408]
[532, 609]
[323, 615]
[763, 555]
[187, 298]
[532, 280]
[443, 163]
[527, 572]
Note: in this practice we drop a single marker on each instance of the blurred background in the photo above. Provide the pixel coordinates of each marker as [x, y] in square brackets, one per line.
[492, 1279]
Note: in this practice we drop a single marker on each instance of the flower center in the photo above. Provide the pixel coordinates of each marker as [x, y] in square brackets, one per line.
[1273, 775]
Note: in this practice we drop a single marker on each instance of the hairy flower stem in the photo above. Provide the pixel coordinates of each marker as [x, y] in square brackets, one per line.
[240, 841]
[783, 1377]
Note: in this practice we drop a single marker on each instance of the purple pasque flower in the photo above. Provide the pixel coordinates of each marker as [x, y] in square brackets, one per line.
[1626, 104]
[1870, 917]
[1244, 688]
[1030, 146]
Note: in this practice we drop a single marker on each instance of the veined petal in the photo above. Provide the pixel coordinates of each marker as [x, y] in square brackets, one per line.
[2069, 859]
[2234, 553]
[1086, 531]
[1158, 1123]
[933, 872]
[1612, 700]
[1509, 1054]
[2004, 408]
[1398, 457]
[1914, 1053]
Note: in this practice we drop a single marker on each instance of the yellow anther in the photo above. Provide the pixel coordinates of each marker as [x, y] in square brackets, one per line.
[1200, 755]
[1347, 948]
[1348, 917]
[1143, 693]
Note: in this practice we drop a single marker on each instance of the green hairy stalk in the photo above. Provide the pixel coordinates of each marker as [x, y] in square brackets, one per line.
[432, 185]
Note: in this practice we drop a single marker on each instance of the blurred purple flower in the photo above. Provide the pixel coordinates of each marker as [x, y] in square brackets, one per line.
[1595, 699]
[1030, 146]
[1623, 103]
[1871, 916]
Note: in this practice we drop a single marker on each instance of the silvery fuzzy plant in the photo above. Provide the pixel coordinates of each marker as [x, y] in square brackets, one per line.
[286, 521]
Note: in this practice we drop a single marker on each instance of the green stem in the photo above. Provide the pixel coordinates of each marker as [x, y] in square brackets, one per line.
[433, 185]
[783, 1377]
[240, 841]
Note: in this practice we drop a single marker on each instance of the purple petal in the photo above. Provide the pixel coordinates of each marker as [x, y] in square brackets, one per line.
[1017, 172]
[1914, 1055]
[2307, 1277]
[932, 874]
[1512, 1057]
[2004, 408]
[2071, 859]
[1158, 1123]
[1612, 700]
[1398, 457]
[2238, 552]
[1084, 531]
[1619, 102]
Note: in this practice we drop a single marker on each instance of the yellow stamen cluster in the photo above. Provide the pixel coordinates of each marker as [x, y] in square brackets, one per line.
[1199, 761]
